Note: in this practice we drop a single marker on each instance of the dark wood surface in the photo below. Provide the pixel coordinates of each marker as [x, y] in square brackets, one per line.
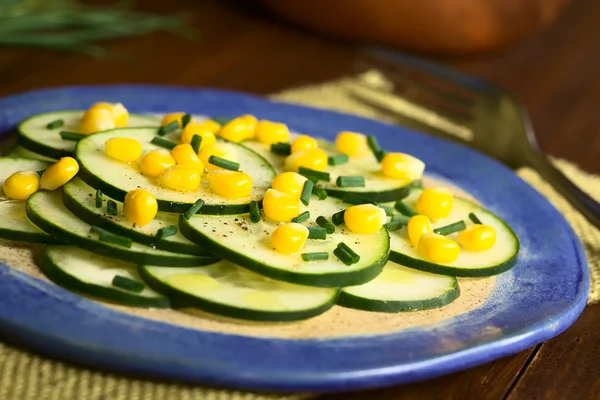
[556, 73]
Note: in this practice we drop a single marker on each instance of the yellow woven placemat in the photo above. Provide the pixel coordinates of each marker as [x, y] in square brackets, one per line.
[27, 376]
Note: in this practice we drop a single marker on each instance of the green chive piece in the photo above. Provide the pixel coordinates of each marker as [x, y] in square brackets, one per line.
[307, 190]
[254, 211]
[374, 146]
[320, 193]
[317, 233]
[324, 223]
[40, 172]
[166, 232]
[338, 159]
[57, 123]
[355, 257]
[388, 209]
[301, 217]
[129, 284]
[196, 142]
[350, 181]
[74, 136]
[167, 144]
[318, 256]
[402, 219]
[186, 119]
[96, 229]
[170, 127]
[474, 218]
[221, 120]
[343, 255]
[338, 217]
[111, 208]
[393, 226]
[405, 209]
[452, 228]
[285, 149]
[223, 163]
[313, 174]
[98, 198]
[193, 209]
[355, 199]
[107, 237]
[380, 155]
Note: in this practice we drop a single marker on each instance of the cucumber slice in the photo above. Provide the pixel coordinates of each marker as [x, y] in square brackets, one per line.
[46, 210]
[80, 199]
[34, 136]
[399, 289]
[116, 179]
[498, 259]
[92, 274]
[237, 239]
[13, 222]
[21, 152]
[226, 289]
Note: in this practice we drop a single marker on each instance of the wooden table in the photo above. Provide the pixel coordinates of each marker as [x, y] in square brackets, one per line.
[556, 74]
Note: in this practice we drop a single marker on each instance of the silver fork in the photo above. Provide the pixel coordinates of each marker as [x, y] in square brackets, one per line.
[439, 100]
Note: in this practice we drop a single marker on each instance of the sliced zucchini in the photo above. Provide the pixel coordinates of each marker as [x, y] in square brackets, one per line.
[92, 274]
[115, 179]
[46, 210]
[498, 259]
[399, 289]
[80, 199]
[21, 152]
[237, 239]
[13, 222]
[228, 290]
[35, 136]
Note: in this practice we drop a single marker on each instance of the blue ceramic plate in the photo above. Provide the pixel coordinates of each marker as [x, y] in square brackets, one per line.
[539, 298]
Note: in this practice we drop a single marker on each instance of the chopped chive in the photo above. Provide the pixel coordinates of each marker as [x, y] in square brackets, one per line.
[167, 144]
[318, 256]
[107, 237]
[474, 218]
[170, 127]
[388, 209]
[402, 219]
[223, 163]
[380, 155]
[193, 209]
[57, 123]
[350, 181]
[301, 217]
[394, 225]
[343, 255]
[320, 193]
[405, 209]
[128, 284]
[196, 142]
[338, 159]
[374, 146]
[254, 211]
[98, 198]
[317, 233]
[221, 120]
[71, 136]
[313, 174]
[324, 223]
[355, 257]
[285, 149]
[40, 172]
[96, 229]
[186, 119]
[306, 191]
[166, 232]
[111, 208]
[355, 199]
[338, 217]
[452, 228]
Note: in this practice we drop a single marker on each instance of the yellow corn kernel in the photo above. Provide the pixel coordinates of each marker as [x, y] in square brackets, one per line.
[418, 226]
[477, 237]
[221, 150]
[185, 155]
[289, 182]
[402, 166]
[239, 129]
[96, 120]
[156, 161]
[304, 142]
[59, 173]
[269, 132]
[251, 123]
[438, 248]
[176, 116]
[280, 206]
[364, 218]
[140, 207]
[21, 185]
[312, 158]
[211, 125]
[436, 203]
[289, 238]
[123, 149]
[193, 128]
[352, 143]
[230, 184]
[119, 112]
[180, 177]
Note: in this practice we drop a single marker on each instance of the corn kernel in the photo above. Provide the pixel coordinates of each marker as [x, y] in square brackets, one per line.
[185, 155]
[436, 203]
[230, 184]
[180, 177]
[156, 161]
[417, 227]
[289, 182]
[200, 129]
[304, 142]
[176, 116]
[438, 248]
[402, 166]
[478, 237]
[269, 132]
[96, 120]
[140, 207]
[59, 173]
[123, 149]
[312, 158]
[280, 206]
[289, 238]
[21, 185]
[352, 144]
[119, 112]
[364, 218]
[221, 150]
[239, 129]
